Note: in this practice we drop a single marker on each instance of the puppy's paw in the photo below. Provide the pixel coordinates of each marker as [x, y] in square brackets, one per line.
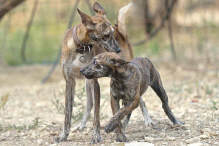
[96, 138]
[111, 126]
[121, 138]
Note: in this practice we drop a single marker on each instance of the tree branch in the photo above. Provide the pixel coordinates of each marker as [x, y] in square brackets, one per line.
[8, 5]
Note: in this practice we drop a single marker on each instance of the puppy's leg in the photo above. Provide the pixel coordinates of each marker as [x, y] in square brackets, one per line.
[69, 99]
[120, 136]
[147, 119]
[115, 120]
[88, 108]
[96, 135]
[158, 88]
[126, 121]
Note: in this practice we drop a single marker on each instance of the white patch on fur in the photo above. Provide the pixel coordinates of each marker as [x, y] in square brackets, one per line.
[70, 43]
[77, 62]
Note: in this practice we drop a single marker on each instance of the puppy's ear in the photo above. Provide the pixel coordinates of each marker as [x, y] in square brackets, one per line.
[98, 8]
[117, 62]
[86, 20]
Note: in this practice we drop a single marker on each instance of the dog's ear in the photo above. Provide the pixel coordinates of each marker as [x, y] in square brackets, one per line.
[86, 20]
[98, 8]
[117, 62]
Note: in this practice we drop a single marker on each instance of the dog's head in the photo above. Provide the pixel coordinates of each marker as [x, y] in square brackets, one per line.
[103, 65]
[99, 29]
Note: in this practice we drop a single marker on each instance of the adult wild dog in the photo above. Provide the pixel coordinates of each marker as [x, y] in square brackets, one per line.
[93, 36]
[129, 81]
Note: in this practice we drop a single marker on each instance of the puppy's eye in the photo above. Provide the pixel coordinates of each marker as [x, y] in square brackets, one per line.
[94, 37]
[98, 66]
[105, 37]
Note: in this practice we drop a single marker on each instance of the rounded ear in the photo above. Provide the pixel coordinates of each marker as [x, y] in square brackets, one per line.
[117, 62]
[98, 8]
[86, 20]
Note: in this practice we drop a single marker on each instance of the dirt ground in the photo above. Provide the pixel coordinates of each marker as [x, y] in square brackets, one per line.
[31, 113]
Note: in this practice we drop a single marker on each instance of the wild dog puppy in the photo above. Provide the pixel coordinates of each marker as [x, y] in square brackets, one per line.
[129, 81]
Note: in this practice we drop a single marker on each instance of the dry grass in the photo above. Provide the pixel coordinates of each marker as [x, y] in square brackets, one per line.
[33, 114]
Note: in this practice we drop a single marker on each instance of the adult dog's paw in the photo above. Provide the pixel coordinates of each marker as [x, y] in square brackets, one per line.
[61, 137]
[178, 123]
[148, 122]
[96, 138]
[79, 127]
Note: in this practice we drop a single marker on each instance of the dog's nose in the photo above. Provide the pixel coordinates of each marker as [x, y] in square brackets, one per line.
[81, 70]
[118, 50]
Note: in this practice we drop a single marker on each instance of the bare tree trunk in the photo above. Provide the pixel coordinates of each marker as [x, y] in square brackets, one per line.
[26, 36]
[7, 5]
[5, 37]
[170, 34]
[169, 5]
[147, 19]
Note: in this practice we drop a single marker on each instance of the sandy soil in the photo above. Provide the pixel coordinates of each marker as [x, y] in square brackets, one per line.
[31, 113]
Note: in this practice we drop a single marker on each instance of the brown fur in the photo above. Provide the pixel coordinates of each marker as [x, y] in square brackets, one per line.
[129, 81]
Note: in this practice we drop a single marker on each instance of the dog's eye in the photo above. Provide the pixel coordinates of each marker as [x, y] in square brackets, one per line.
[98, 66]
[105, 37]
[93, 37]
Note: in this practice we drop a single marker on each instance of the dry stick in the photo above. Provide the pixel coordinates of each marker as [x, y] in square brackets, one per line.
[26, 36]
[153, 33]
[56, 62]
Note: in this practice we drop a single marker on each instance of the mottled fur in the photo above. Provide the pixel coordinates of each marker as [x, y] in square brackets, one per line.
[129, 81]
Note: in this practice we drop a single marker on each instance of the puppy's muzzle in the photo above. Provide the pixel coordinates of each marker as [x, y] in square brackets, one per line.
[84, 72]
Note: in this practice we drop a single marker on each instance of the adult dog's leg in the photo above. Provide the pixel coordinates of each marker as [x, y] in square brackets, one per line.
[147, 119]
[88, 108]
[96, 90]
[120, 136]
[158, 88]
[69, 99]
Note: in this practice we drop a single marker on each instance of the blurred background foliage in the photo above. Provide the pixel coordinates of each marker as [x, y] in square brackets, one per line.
[195, 30]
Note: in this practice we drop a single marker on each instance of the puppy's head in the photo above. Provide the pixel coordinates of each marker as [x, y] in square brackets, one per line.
[99, 29]
[103, 65]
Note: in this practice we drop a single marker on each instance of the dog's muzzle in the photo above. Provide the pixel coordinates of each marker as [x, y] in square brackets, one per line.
[85, 73]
